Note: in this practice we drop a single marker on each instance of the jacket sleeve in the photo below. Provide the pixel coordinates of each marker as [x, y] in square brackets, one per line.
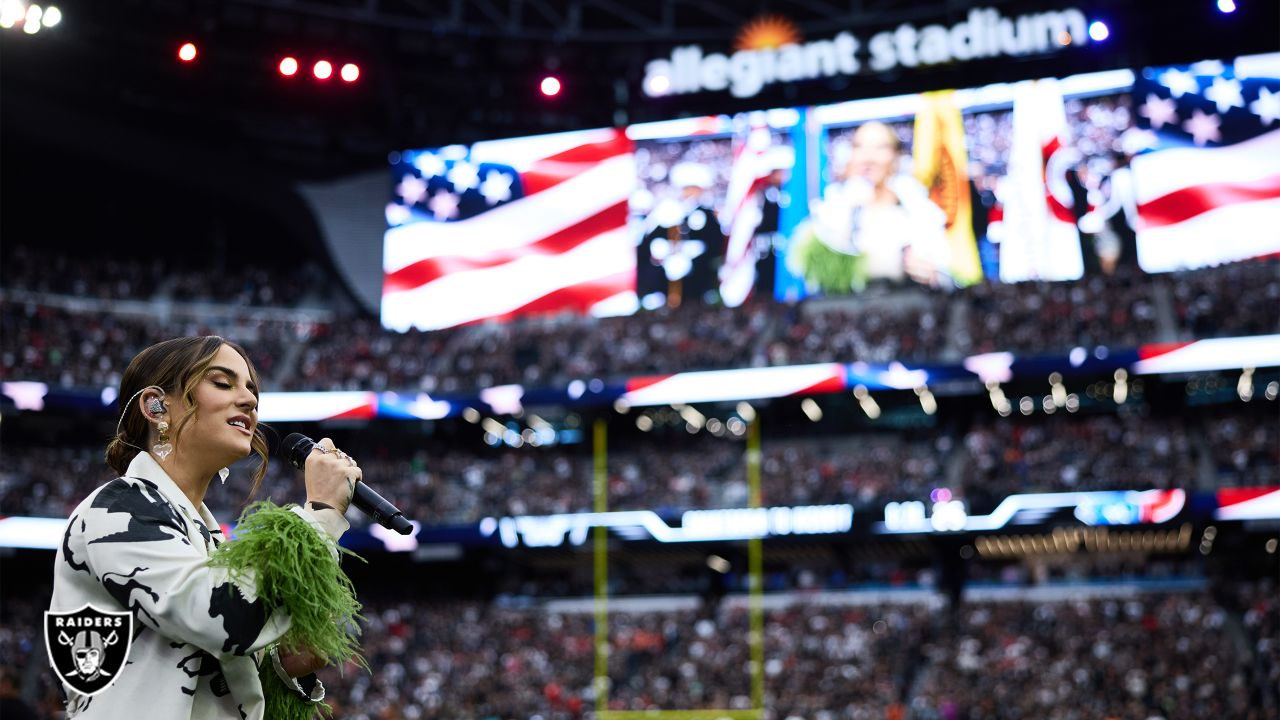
[137, 546]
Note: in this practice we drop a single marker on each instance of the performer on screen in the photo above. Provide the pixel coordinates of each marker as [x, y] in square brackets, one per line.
[878, 224]
[683, 246]
[222, 628]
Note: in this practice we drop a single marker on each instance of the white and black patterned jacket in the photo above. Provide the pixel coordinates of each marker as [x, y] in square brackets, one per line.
[138, 543]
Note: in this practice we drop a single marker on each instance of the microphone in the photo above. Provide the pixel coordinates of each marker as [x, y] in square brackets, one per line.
[296, 447]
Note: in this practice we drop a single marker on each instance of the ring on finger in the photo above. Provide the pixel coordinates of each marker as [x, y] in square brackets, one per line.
[323, 450]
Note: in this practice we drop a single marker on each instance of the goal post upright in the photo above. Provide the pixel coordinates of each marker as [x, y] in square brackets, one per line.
[755, 565]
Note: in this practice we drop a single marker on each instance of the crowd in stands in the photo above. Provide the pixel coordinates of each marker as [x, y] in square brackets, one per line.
[1260, 605]
[1226, 301]
[360, 354]
[1246, 449]
[912, 328]
[1154, 656]
[49, 338]
[117, 277]
[980, 465]
[1169, 655]
[1110, 452]
[1052, 318]
[55, 345]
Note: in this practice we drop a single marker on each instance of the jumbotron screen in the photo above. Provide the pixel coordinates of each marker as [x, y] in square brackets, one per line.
[1157, 170]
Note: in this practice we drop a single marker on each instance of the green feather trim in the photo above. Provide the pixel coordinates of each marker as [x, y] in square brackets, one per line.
[828, 270]
[293, 568]
[282, 701]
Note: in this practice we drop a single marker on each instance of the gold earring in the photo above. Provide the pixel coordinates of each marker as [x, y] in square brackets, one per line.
[162, 448]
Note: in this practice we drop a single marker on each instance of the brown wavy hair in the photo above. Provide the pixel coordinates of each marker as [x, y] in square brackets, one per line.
[177, 366]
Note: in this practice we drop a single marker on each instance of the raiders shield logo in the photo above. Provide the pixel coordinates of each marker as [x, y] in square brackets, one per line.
[88, 647]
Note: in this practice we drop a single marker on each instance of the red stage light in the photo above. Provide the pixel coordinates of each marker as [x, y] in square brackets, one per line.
[187, 52]
[350, 72]
[289, 67]
[323, 70]
[550, 86]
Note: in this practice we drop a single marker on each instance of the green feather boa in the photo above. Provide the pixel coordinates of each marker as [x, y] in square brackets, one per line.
[824, 269]
[293, 568]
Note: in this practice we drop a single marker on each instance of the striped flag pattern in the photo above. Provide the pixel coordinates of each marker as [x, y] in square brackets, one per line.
[511, 227]
[1209, 191]
[1041, 241]
[741, 215]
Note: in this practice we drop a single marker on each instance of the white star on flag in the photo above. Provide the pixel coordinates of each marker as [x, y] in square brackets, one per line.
[1267, 106]
[397, 214]
[1160, 111]
[464, 176]
[1203, 128]
[496, 187]
[429, 164]
[412, 189]
[444, 205]
[1179, 82]
[1225, 94]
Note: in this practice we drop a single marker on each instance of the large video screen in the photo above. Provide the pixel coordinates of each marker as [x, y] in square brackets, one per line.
[1152, 171]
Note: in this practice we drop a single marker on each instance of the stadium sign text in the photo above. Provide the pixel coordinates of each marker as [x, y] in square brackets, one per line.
[984, 34]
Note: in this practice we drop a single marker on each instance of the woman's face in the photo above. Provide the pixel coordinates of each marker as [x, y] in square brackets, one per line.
[875, 154]
[221, 431]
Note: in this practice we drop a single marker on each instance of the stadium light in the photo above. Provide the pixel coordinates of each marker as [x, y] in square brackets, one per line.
[656, 85]
[550, 86]
[11, 13]
[187, 52]
[1226, 6]
[1244, 387]
[1099, 31]
[1059, 390]
[289, 66]
[928, 403]
[31, 23]
[52, 16]
[323, 70]
[350, 72]
[811, 409]
[866, 402]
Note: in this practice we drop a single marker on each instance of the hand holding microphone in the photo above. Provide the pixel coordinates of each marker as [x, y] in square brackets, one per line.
[334, 478]
[330, 474]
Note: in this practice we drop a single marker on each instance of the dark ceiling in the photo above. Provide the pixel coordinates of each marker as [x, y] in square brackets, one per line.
[441, 71]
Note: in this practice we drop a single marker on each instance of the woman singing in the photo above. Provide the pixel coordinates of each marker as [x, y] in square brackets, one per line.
[877, 224]
[221, 628]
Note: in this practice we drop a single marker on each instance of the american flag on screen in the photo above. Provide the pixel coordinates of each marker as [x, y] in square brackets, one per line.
[1208, 192]
[510, 227]
[741, 215]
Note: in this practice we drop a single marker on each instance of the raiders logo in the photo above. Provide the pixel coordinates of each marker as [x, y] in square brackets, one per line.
[88, 647]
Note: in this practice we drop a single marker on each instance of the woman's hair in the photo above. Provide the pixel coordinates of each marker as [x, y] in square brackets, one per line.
[177, 366]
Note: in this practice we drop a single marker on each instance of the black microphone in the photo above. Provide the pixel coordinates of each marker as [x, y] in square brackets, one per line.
[296, 447]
